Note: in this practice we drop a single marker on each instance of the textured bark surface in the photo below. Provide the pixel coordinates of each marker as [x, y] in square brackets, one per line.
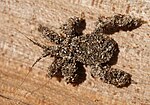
[20, 18]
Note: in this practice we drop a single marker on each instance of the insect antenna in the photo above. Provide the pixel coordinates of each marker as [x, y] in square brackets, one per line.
[31, 92]
[30, 69]
[36, 43]
[43, 55]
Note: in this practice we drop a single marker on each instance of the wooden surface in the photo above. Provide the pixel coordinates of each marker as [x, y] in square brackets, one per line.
[20, 18]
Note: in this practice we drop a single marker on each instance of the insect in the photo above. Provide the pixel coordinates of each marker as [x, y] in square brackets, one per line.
[95, 49]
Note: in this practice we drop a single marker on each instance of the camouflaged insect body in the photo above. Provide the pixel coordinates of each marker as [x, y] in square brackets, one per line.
[95, 49]
[92, 49]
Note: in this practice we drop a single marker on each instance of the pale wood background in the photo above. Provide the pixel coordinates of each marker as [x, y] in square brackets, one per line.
[20, 18]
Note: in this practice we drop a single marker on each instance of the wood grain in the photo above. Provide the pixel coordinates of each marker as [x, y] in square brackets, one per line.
[20, 18]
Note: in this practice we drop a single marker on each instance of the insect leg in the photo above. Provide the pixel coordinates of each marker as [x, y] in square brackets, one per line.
[54, 70]
[112, 76]
[74, 26]
[110, 25]
[50, 35]
[69, 71]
